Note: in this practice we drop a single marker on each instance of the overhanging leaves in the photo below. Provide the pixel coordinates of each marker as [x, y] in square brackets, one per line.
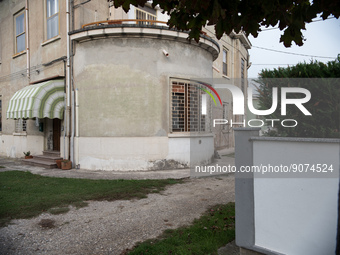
[246, 15]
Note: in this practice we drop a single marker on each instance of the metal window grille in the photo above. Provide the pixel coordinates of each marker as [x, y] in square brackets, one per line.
[20, 125]
[187, 114]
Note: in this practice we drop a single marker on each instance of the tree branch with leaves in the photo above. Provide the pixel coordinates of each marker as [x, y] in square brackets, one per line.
[248, 16]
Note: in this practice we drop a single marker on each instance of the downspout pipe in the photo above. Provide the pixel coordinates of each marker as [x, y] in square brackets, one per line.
[28, 64]
[76, 144]
[68, 78]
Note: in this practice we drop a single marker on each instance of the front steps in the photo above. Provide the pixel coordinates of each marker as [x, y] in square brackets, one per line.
[47, 160]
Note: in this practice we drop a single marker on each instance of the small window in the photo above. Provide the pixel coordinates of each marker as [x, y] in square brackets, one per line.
[20, 38]
[143, 15]
[189, 107]
[0, 113]
[242, 74]
[0, 47]
[52, 18]
[225, 114]
[20, 125]
[225, 62]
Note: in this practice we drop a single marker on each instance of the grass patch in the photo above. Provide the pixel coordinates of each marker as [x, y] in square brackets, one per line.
[205, 236]
[2, 167]
[25, 195]
[59, 210]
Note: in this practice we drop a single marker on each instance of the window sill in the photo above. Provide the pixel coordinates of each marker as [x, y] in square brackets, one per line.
[188, 135]
[226, 77]
[19, 54]
[53, 39]
[20, 134]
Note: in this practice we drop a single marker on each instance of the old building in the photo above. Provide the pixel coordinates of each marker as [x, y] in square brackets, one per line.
[111, 90]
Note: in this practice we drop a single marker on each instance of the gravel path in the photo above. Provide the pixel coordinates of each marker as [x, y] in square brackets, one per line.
[113, 227]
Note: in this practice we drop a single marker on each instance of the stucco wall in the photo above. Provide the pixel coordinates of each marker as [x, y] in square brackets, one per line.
[13, 68]
[124, 96]
[14, 145]
[123, 83]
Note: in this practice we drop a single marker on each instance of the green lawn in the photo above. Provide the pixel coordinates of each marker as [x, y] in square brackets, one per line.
[25, 195]
[205, 236]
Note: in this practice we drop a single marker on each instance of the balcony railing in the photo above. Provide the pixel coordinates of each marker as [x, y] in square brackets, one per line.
[129, 21]
[121, 21]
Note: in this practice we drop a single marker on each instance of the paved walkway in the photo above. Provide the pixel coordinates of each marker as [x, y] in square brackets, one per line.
[16, 164]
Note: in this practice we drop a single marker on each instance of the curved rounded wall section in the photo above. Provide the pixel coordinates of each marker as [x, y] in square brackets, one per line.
[124, 94]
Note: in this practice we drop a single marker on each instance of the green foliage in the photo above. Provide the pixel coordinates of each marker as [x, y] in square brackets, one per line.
[23, 194]
[246, 15]
[213, 230]
[28, 153]
[322, 80]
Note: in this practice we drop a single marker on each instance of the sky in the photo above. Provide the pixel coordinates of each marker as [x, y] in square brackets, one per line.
[322, 39]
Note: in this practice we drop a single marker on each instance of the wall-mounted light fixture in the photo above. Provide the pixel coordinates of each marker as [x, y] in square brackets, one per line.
[165, 53]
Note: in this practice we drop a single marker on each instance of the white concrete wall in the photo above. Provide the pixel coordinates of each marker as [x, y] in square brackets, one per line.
[142, 153]
[13, 146]
[296, 215]
[191, 150]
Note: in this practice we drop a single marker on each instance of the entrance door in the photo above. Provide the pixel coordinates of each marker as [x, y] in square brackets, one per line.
[56, 134]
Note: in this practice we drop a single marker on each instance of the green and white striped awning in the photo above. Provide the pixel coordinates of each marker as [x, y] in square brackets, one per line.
[42, 100]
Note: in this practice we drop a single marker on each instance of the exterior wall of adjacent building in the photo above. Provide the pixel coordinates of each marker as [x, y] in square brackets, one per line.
[236, 51]
[13, 70]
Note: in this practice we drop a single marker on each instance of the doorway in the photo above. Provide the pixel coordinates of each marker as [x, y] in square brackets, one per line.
[56, 134]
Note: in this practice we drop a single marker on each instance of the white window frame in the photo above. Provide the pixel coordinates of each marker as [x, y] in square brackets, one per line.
[144, 15]
[242, 68]
[225, 114]
[50, 18]
[225, 62]
[18, 34]
[0, 113]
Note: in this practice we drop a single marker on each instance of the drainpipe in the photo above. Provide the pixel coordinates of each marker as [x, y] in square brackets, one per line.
[65, 114]
[72, 129]
[27, 43]
[76, 145]
[68, 77]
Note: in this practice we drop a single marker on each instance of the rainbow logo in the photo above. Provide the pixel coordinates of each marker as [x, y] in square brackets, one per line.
[212, 89]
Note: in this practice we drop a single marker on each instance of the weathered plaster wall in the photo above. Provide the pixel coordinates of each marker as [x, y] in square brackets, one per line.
[13, 68]
[124, 95]
[14, 145]
[123, 83]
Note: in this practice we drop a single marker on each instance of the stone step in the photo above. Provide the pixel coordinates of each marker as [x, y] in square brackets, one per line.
[48, 158]
[38, 162]
[51, 153]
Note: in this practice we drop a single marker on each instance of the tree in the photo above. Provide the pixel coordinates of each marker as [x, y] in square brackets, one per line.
[242, 15]
[323, 82]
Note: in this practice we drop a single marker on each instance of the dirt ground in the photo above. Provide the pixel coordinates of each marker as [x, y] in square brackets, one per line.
[113, 227]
